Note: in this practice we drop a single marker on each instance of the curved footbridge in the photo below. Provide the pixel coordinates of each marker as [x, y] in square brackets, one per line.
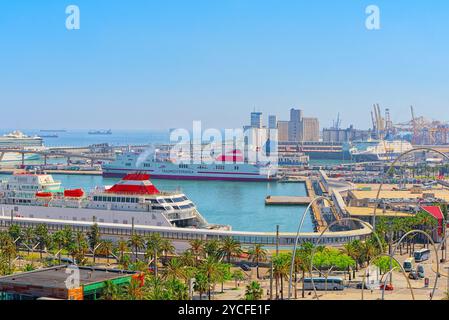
[116, 231]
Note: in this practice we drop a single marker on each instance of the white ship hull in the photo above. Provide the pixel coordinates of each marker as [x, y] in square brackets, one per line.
[126, 164]
[82, 214]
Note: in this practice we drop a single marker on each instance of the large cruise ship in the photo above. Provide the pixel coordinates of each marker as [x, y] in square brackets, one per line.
[228, 166]
[133, 200]
[378, 150]
[18, 140]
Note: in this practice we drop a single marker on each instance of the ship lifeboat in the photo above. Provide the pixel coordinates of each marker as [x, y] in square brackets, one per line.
[44, 195]
[76, 193]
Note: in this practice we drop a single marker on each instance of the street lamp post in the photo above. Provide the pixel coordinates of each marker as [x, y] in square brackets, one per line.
[292, 264]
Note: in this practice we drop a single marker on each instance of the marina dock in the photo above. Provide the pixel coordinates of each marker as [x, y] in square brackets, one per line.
[286, 200]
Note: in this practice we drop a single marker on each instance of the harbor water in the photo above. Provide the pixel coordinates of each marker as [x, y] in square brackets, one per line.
[239, 204]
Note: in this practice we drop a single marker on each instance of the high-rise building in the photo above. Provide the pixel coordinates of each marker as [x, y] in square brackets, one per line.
[309, 129]
[272, 122]
[283, 130]
[294, 130]
[256, 120]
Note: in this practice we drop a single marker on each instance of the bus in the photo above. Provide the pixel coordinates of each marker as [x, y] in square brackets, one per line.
[421, 255]
[408, 265]
[331, 283]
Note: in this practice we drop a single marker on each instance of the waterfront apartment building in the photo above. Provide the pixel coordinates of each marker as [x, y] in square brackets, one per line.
[309, 129]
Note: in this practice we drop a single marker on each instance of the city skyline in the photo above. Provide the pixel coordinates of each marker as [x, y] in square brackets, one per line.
[155, 66]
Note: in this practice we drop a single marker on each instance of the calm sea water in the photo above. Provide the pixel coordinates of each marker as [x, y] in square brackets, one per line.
[239, 204]
[82, 138]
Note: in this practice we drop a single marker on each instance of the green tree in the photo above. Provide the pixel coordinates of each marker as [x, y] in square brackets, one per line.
[237, 276]
[253, 291]
[136, 242]
[201, 284]
[154, 249]
[43, 238]
[94, 239]
[281, 271]
[197, 248]
[258, 254]
[110, 291]
[122, 247]
[211, 268]
[106, 248]
[229, 248]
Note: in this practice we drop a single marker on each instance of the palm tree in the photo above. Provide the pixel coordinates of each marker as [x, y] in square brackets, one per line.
[42, 237]
[7, 251]
[188, 258]
[253, 291]
[211, 248]
[153, 249]
[201, 284]
[281, 270]
[230, 247]
[167, 248]
[80, 247]
[29, 237]
[197, 247]
[94, 239]
[136, 242]
[210, 267]
[106, 248]
[303, 262]
[175, 270]
[238, 276]
[110, 291]
[16, 233]
[258, 254]
[58, 240]
[122, 247]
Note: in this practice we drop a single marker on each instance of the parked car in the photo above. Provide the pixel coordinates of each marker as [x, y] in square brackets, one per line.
[361, 285]
[413, 275]
[388, 287]
[245, 267]
[420, 271]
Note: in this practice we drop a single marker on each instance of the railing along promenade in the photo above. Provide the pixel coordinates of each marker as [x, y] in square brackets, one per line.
[117, 231]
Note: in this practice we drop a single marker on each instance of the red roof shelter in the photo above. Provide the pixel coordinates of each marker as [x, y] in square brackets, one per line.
[435, 211]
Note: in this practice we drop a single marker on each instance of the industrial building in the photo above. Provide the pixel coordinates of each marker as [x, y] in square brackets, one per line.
[62, 283]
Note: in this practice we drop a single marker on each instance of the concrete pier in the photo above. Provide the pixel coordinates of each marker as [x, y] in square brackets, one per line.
[286, 200]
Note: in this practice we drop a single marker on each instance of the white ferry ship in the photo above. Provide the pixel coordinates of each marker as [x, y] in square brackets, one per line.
[132, 200]
[378, 150]
[18, 140]
[229, 166]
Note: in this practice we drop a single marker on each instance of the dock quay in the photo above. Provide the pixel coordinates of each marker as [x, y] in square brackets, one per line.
[319, 222]
[116, 232]
[287, 200]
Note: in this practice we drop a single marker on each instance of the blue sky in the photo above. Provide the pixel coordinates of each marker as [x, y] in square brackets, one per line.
[162, 64]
